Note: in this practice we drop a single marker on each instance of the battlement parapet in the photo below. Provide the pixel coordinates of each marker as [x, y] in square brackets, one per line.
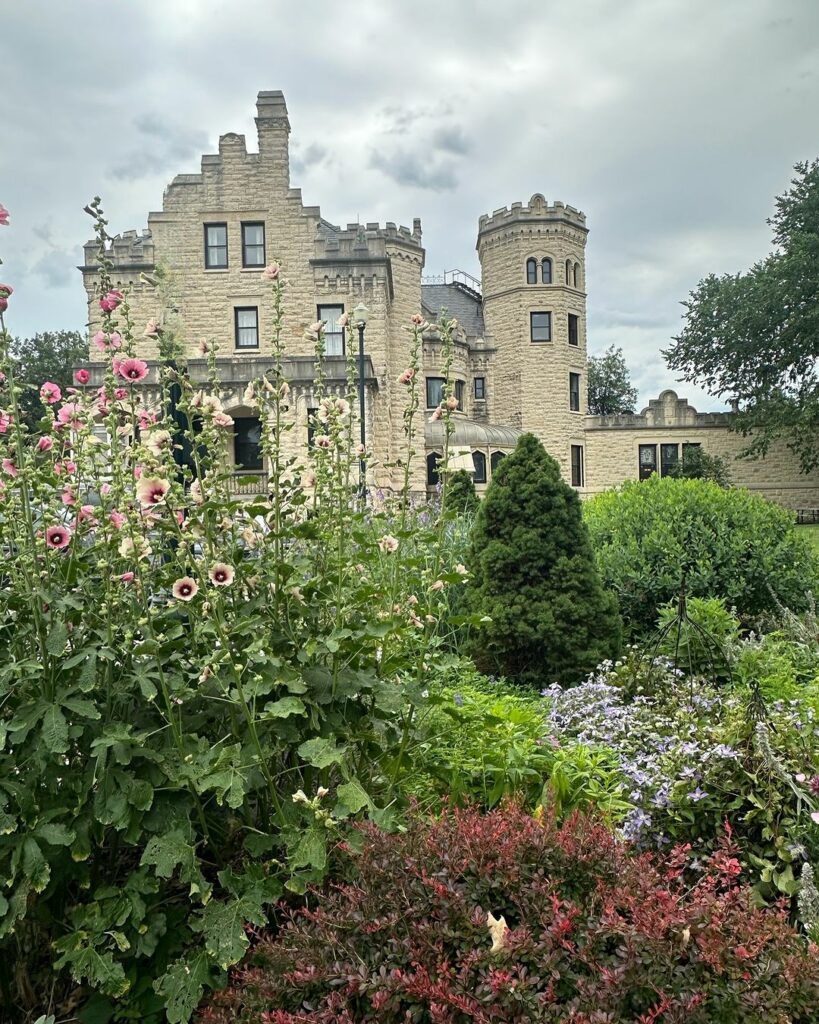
[668, 410]
[538, 209]
[128, 249]
[364, 241]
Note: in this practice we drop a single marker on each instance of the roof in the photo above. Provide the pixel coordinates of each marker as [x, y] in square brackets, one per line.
[458, 302]
[470, 434]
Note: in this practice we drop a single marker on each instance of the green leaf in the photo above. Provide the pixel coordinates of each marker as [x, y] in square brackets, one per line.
[88, 676]
[223, 924]
[166, 852]
[84, 708]
[310, 851]
[57, 638]
[182, 986]
[85, 962]
[55, 834]
[35, 865]
[321, 752]
[284, 707]
[351, 798]
[55, 730]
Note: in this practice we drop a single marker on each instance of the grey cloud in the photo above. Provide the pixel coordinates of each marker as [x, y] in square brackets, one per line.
[165, 146]
[314, 155]
[407, 167]
[451, 139]
[57, 268]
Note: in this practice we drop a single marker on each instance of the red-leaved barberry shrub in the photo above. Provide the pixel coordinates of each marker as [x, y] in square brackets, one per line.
[596, 936]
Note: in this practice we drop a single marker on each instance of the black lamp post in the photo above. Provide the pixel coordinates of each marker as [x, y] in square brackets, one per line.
[360, 313]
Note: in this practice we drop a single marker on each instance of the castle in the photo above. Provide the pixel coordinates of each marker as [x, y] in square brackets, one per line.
[520, 353]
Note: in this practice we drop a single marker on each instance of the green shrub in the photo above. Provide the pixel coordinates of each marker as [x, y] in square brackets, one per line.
[727, 543]
[459, 496]
[534, 576]
[700, 643]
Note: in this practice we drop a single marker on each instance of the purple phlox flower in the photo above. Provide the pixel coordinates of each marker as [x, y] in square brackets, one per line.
[723, 750]
[689, 772]
[458, 700]
[697, 794]
[636, 823]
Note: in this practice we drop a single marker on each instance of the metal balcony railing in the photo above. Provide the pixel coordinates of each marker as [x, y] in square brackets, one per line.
[249, 482]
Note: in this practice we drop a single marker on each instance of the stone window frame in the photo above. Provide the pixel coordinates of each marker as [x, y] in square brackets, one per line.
[434, 380]
[342, 333]
[576, 461]
[479, 462]
[531, 270]
[208, 246]
[253, 224]
[574, 392]
[479, 389]
[236, 327]
[540, 312]
[495, 459]
[433, 476]
[243, 423]
[573, 319]
[646, 467]
[546, 261]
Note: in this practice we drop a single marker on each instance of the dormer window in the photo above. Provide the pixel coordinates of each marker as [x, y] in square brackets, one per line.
[531, 270]
[546, 271]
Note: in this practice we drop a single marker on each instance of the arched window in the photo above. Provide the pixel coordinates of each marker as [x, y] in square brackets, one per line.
[546, 270]
[568, 271]
[576, 274]
[432, 469]
[479, 462]
[496, 459]
[531, 270]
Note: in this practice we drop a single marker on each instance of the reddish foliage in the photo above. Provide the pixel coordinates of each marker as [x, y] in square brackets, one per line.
[597, 936]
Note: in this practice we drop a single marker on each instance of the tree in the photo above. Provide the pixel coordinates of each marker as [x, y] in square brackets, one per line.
[48, 356]
[534, 576]
[459, 495]
[698, 464]
[755, 337]
[610, 388]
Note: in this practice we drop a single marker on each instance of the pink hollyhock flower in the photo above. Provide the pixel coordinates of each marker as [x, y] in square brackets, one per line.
[118, 519]
[70, 466]
[146, 418]
[133, 370]
[814, 817]
[58, 469]
[417, 319]
[185, 589]
[58, 536]
[196, 492]
[316, 327]
[221, 574]
[5, 422]
[452, 403]
[4, 216]
[322, 441]
[406, 376]
[68, 497]
[151, 329]
[105, 490]
[203, 348]
[120, 394]
[70, 414]
[82, 376]
[271, 272]
[45, 444]
[127, 577]
[6, 290]
[50, 392]
[100, 341]
[2, 376]
[9, 467]
[436, 415]
[138, 470]
[110, 301]
[151, 490]
[343, 320]
[87, 513]
[221, 419]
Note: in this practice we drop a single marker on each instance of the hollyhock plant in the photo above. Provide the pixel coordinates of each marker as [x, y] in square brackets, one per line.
[50, 393]
[111, 300]
[151, 490]
[185, 589]
[9, 466]
[70, 414]
[82, 376]
[132, 370]
[221, 574]
[58, 537]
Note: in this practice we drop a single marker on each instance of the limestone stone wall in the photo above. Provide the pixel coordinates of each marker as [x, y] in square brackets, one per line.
[613, 443]
[531, 379]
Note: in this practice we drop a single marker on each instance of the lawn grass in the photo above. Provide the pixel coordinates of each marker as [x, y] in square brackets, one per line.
[812, 533]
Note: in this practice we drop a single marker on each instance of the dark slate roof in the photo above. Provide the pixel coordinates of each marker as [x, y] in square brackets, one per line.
[466, 308]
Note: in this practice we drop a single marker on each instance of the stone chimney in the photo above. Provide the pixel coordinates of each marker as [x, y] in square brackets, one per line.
[273, 126]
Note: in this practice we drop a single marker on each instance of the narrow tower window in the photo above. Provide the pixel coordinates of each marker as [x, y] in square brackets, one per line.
[577, 465]
[568, 271]
[574, 392]
[531, 270]
[573, 332]
[576, 274]
[546, 270]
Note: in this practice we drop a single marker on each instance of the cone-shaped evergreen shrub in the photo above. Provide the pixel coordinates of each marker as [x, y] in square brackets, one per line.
[460, 496]
[534, 576]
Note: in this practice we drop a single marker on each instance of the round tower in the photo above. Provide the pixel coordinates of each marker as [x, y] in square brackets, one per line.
[533, 270]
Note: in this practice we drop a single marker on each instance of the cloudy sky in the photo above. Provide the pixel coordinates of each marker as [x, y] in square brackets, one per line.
[671, 123]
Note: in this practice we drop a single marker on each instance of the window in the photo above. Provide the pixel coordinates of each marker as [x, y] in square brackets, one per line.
[435, 391]
[480, 388]
[568, 271]
[648, 460]
[546, 270]
[479, 462]
[459, 393]
[669, 457]
[432, 469]
[574, 392]
[247, 326]
[531, 271]
[247, 442]
[496, 459]
[216, 249]
[333, 332]
[577, 465]
[574, 335]
[576, 274]
[540, 326]
[253, 245]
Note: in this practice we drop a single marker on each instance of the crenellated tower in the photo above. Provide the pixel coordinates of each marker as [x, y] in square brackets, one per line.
[534, 305]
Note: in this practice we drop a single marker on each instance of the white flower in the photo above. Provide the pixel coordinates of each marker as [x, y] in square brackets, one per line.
[497, 931]
[388, 544]
[300, 797]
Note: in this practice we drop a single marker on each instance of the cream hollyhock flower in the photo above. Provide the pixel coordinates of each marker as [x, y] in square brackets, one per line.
[221, 574]
[388, 544]
[211, 403]
[497, 931]
[158, 441]
[151, 490]
[131, 548]
[222, 419]
[185, 589]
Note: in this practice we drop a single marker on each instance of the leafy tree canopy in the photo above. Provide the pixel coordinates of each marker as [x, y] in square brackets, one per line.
[610, 388]
[754, 337]
[47, 356]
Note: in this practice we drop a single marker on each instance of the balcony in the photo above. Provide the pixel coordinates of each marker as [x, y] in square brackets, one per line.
[248, 484]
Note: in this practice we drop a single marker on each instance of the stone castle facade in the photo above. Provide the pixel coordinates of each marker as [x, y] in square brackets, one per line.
[520, 359]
